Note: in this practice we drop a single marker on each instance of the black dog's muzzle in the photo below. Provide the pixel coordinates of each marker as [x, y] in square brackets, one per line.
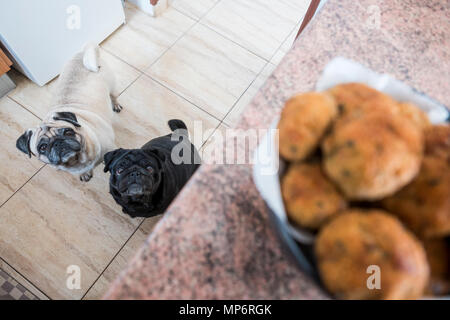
[137, 182]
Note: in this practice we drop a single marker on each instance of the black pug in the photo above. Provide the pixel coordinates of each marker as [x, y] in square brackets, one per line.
[145, 181]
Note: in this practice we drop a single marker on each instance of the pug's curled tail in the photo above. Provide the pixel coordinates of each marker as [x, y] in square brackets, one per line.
[179, 126]
[90, 57]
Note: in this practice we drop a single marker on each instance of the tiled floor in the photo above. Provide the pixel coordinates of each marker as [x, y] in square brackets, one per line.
[10, 289]
[200, 60]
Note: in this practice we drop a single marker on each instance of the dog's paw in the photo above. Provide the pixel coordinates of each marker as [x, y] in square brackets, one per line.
[117, 107]
[85, 177]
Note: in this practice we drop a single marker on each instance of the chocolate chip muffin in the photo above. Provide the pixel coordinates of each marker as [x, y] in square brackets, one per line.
[356, 241]
[424, 204]
[374, 156]
[309, 197]
[303, 122]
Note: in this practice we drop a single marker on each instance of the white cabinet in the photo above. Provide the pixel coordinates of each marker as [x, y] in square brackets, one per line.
[42, 35]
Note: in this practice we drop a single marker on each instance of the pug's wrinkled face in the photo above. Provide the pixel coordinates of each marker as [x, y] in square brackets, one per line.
[135, 176]
[58, 146]
[55, 142]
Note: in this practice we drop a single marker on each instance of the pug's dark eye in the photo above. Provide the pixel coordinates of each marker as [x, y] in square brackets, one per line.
[43, 147]
[69, 133]
[119, 171]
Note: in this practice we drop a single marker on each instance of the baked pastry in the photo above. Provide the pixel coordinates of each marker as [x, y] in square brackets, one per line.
[354, 241]
[309, 197]
[424, 204]
[303, 122]
[386, 105]
[373, 156]
[437, 141]
[350, 96]
[438, 251]
[356, 99]
[414, 114]
[380, 103]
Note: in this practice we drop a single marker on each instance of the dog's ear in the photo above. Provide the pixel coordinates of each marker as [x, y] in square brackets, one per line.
[68, 117]
[23, 143]
[109, 158]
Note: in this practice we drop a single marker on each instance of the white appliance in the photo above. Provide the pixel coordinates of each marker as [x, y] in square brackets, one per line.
[41, 36]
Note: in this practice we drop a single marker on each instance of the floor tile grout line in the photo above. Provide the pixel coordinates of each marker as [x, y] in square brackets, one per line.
[174, 92]
[140, 75]
[269, 62]
[181, 96]
[199, 21]
[201, 16]
[14, 100]
[166, 87]
[231, 40]
[164, 51]
[146, 71]
[209, 137]
[285, 39]
[185, 99]
[121, 59]
[36, 287]
[178, 39]
[226, 37]
[185, 14]
[181, 36]
[112, 259]
[9, 198]
[170, 47]
[251, 83]
[242, 46]
[136, 69]
[20, 188]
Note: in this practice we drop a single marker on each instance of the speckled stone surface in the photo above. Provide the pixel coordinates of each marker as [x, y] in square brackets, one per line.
[216, 240]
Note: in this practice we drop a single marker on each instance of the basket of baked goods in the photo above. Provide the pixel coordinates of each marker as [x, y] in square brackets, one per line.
[358, 185]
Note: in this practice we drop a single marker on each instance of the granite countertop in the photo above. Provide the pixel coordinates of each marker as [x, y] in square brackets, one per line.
[216, 241]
